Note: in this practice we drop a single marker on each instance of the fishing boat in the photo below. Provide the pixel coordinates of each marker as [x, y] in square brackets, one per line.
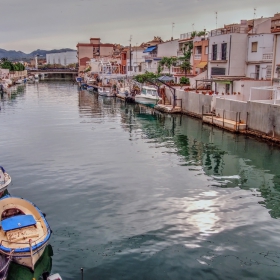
[5, 180]
[24, 232]
[148, 96]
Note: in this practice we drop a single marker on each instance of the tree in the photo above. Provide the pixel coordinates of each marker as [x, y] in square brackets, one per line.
[168, 62]
[142, 78]
[185, 63]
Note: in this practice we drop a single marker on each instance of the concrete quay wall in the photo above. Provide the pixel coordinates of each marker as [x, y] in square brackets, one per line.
[262, 118]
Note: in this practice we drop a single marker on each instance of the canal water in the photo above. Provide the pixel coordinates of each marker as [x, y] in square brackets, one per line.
[133, 194]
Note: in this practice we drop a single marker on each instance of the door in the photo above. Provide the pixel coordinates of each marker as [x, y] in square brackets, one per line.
[257, 71]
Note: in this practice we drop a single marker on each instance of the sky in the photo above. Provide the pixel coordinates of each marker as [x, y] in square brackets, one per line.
[28, 25]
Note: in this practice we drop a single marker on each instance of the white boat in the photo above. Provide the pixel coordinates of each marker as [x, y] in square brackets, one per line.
[24, 232]
[36, 77]
[55, 276]
[106, 91]
[5, 180]
[148, 96]
[19, 81]
[123, 92]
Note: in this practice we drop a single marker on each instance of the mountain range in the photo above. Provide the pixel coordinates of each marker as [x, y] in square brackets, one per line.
[19, 55]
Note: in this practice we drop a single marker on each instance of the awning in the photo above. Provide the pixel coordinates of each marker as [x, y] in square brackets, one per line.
[149, 49]
[278, 68]
[202, 64]
[165, 79]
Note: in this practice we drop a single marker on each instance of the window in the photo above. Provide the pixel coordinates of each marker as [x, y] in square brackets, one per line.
[227, 88]
[218, 71]
[206, 50]
[254, 47]
[198, 50]
[224, 51]
[214, 52]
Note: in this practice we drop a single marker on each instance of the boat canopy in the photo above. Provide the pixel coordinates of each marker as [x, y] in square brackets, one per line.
[149, 49]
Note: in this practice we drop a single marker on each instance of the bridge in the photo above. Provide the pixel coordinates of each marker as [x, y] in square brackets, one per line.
[56, 73]
[53, 71]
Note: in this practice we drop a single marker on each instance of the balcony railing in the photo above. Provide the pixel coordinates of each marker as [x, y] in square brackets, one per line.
[267, 56]
[197, 57]
[228, 30]
[150, 56]
[185, 35]
[219, 56]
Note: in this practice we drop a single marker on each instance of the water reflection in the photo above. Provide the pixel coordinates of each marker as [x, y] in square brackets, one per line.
[229, 160]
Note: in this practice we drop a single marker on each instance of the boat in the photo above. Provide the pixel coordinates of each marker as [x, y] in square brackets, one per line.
[106, 91]
[24, 231]
[36, 77]
[123, 92]
[19, 81]
[148, 96]
[5, 180]
[42, 269]
[79, 79]
[5, 262]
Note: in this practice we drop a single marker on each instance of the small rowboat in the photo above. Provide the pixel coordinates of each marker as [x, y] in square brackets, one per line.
[24, 232]
[5, 180]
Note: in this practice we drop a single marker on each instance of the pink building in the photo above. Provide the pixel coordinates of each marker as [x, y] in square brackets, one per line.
[94, 49]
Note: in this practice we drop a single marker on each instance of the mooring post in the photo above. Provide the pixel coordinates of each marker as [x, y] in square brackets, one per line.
[223, 118]
[247, 121]
[202, 112]
[82, 273]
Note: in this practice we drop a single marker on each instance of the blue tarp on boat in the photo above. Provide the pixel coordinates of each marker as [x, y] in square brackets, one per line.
[17, 222]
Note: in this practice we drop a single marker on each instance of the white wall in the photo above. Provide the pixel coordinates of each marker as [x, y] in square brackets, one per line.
[63, 58]
[236, 53]
[168, 48]
[276, 57]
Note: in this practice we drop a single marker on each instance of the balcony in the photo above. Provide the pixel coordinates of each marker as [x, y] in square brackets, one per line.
[218, 57]
[229, 30]
[150, 56]
[267, 56]
[186, 36]
[197, 57]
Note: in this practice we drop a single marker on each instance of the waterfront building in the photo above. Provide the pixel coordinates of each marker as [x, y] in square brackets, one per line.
[62, 58]
[276, 60]
[94, 49]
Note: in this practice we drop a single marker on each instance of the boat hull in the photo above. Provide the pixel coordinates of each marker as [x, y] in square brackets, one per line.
[25, 257]
[107, 93]
[5, 184]
[146, 101]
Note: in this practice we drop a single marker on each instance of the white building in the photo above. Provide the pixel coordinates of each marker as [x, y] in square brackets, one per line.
[137, 61]
[276, 60]
[63, 58]
[259, 56]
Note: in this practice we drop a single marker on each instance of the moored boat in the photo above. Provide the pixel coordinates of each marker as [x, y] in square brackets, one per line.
[5, 180]
[24, 231]
[106, 91]
[148, 96]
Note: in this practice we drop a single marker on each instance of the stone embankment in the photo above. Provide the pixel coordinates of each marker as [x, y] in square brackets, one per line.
[258, 118]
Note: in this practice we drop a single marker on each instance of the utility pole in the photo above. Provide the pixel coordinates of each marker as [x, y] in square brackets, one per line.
[130, 53]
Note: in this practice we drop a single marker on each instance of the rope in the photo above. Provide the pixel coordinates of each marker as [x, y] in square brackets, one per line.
[8, 263]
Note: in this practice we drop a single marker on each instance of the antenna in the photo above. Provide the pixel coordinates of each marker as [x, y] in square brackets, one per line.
[173, 24]
[216, 20]
[193, 27]
[130, 39]
[255, 9]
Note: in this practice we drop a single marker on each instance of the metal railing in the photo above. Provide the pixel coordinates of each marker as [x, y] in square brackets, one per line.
[228, 30]
[219, 56]
[267, 56]
[186, 35]
[197, 57]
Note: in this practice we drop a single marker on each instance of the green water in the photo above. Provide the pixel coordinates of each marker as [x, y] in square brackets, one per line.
[133, 194]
